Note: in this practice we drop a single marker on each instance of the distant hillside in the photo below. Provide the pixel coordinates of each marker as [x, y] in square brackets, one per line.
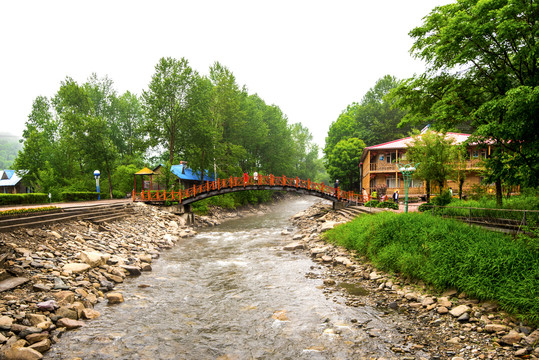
[9, 147]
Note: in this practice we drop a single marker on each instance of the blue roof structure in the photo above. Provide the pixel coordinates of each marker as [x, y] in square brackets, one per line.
[184, 173]
[9, 178]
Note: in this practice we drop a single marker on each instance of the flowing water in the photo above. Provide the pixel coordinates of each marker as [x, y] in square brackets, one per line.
[231, 292]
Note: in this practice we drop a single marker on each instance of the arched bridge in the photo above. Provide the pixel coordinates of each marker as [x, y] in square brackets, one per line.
[261, 182]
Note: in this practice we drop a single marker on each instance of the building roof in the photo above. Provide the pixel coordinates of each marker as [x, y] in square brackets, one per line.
[9, 178]
[145, 171]
[403, 143]
[184, 173]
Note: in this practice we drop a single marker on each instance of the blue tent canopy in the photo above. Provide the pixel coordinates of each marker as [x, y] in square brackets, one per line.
[184, 173]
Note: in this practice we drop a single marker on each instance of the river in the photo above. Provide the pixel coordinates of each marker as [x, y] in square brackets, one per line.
[231, 292]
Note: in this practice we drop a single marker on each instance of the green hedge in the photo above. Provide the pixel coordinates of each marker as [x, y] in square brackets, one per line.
[447, 253]
[30, 198]
[79, 196]
[388, 205]
[372, 203]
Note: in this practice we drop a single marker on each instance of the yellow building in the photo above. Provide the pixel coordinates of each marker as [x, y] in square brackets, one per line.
[379, 168]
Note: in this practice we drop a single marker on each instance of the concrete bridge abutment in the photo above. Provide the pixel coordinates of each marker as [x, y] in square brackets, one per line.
[184, 211]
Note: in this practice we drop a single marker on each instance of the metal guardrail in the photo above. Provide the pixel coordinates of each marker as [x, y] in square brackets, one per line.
[509, 220]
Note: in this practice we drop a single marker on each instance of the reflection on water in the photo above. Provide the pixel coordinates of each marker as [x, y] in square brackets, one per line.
[231, 292]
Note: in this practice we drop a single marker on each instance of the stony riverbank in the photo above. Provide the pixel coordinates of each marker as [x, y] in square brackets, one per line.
[51, 277]
[65, 269]
[448, 325]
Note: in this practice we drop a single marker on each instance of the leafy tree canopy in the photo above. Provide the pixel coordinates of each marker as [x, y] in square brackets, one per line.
[482, 73]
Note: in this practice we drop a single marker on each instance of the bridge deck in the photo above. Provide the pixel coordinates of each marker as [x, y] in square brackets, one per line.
[261, 182]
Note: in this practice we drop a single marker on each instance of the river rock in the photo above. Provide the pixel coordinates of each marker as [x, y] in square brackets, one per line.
[76, 268]
[343, 260]
[5, 322]
[41, 287]
[132, 270]
[93, 258]
[34, 338]
[146, 258]
[56, 235]
[115, 298]
[490, 328]
[67, 312]
[41, 346]
[293, 246]
[90, 314]
[533, 338]
[49, 305]
[65, 297]
[280, 315]
[35, 319]
[328, 225]
[22, 353]
[511, 338]
[70, 324]
[459, 310]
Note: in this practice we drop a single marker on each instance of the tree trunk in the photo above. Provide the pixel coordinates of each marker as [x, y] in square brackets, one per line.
[427, 188]
[499, 196]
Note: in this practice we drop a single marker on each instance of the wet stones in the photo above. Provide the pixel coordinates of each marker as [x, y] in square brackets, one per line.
[447, 326]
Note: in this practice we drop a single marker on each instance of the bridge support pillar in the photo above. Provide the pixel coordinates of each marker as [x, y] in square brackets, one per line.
[337, 205]
[184, 211]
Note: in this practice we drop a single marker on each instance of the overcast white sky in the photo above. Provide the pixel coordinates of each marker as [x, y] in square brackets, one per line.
[310, 58]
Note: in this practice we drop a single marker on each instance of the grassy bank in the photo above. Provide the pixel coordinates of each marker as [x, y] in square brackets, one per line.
[446, 253]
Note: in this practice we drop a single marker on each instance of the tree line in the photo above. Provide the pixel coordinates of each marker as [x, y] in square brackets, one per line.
[482, 77]
[207, 121]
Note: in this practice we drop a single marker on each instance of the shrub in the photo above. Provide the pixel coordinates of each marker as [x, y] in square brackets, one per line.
[27, 198]
[446, 253]
[372, 203]
[443, 199]
[388, 205]
[79, 195]
[425, 207]
[118, 194]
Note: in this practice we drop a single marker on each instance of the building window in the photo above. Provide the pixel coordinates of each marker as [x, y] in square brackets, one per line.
[475, 154]
[391, 182]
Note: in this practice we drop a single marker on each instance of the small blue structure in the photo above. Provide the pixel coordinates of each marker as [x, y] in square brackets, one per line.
[11, 183]
[186, 174]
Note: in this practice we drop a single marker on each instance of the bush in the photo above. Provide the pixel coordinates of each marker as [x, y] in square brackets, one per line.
[118, 194]
[443, 199]
[388, 205]
[446, 253]
[372, 203]
[27, 198]
[425, 207]
[79, 195]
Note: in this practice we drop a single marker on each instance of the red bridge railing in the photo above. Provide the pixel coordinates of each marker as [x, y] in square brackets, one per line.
[240, 182]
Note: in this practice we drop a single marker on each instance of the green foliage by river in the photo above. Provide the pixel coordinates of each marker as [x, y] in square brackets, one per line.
[446, 253]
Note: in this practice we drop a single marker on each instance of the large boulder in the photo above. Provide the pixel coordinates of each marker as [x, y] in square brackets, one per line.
[76, 268]
[93, 258]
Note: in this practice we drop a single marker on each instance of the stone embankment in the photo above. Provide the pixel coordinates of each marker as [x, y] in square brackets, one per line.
[447, 325]
[51, 277]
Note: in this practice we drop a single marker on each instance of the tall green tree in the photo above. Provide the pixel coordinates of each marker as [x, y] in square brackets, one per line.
[343, 162]
[166, 103]
[437, 156]
[482, 72]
